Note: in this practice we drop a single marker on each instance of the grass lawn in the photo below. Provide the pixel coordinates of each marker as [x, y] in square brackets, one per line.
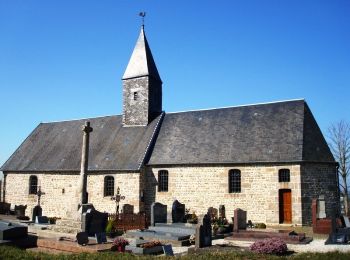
[7, 252]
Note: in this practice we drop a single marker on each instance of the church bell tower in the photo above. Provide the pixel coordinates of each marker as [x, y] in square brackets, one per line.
[142, 86]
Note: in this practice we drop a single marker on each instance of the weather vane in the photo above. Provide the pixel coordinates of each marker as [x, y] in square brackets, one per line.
[143, 14]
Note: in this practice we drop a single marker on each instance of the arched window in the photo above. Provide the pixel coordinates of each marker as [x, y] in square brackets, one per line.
[109, 186]
[33, 184]
[163, 180]
[284, 175]
[234, 181]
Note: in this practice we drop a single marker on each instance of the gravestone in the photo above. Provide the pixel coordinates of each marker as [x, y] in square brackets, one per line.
[222, 211]
[240, 220]
[82, 238]
[158, 213]
[94, 222]
[203, 232]
[128, 209]
[321, 207]
[20, 210]
[101, 238]
[10, 231]
[213, 212]
[168, 250]
[41, 220]
[37, 212]
[178, 212]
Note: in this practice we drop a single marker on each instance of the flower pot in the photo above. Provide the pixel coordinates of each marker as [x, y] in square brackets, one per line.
[121, 248]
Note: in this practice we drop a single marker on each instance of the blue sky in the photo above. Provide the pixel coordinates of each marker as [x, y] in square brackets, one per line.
[62, 60]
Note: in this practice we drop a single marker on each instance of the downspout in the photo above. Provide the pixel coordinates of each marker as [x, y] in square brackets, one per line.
[338, 190]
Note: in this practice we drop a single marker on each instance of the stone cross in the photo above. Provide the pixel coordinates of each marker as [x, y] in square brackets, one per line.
[84, 163]
[39, 193]
[117, 199]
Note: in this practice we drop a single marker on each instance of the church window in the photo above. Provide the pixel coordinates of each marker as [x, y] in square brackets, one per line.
[284, 175]
[136, 95]
[109, 186]
[163, 179]
[33, 184]
[234, 181]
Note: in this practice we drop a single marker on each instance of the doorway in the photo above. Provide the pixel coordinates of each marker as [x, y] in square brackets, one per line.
[285, 205]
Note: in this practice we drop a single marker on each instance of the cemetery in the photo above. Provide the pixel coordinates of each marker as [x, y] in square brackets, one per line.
[169, 231]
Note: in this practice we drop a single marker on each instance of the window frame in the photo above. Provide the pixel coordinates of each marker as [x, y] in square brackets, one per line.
[109, 185]
[33, 184]
[284, 175]
[163, 181]
[234, 181]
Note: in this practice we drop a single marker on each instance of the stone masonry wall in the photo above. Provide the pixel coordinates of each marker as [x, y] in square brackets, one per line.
[135, 112]
[316, 180]
[60, 198]
[203, 187]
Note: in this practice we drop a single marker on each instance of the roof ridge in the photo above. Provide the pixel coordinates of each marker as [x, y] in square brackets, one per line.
[78, 119]
[246, 105]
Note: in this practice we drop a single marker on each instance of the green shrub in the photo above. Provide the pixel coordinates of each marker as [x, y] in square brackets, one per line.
[260, 225]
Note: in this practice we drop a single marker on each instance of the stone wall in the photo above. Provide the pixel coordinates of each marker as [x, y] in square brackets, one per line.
[316, 180]
[60, 198]
[202, 187]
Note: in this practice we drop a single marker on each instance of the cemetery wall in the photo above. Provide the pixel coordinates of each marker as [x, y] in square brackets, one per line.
[201, 187]
[316, 180]
[60, 198]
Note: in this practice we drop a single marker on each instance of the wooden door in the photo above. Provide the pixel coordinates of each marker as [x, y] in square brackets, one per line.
[285, 205]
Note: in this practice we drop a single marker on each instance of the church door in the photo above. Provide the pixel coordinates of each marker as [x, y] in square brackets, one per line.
[285, 205]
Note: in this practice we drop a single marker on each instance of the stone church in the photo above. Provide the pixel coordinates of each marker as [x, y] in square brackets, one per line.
[269, 159]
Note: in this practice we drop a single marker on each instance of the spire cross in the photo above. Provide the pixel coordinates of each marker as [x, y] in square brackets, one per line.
[143, 14]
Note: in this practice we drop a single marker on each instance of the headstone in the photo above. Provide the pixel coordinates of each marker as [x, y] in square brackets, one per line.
[168, 250]
[94, 222]
[82, 238]
[101, 238]
[158, 213]
[128, 209]
[41, 220]
[321, 207]
[222, 212]
[20, 210]
[213, 212]
[178, 212]
[240, 220]
[37, 212]
[203, 232]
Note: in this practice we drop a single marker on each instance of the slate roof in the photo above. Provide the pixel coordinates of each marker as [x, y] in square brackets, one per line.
[274, 132]
[267, 133]
[57, 146]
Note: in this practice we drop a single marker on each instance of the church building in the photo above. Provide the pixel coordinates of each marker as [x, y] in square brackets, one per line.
[269, 159]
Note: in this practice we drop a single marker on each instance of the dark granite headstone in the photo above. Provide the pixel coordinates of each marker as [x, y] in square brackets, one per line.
[168, 250]
[41, 220]
[82, 238]
[203, 232]
[9, 231]
[94, 222]
[158, 213]
[212, 212]
[37, 212]
[101, 238]
[20, 210]
[128, 209]
[178, 212]
[222, 211]
[240, 220]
